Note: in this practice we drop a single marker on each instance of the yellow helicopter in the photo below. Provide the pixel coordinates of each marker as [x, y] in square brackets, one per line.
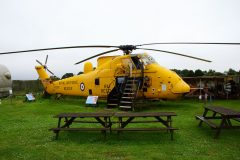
[119, 79]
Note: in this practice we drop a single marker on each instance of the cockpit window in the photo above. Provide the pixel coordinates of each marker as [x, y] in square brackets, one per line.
[147, 59]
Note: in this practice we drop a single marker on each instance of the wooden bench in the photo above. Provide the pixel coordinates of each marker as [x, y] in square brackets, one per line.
[144, 129]
[236, 119]
[104, 119]
[126, 118]
[211, 124]
[99, 118]
[78, 129]
[225, 115]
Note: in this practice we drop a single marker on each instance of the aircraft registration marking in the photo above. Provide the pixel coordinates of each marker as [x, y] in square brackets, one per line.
[67, 88]
[106, 89]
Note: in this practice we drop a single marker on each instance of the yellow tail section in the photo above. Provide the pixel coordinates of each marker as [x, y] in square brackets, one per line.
[43, 76]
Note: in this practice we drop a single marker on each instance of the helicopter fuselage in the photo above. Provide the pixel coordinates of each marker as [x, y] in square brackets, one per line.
[157, 82]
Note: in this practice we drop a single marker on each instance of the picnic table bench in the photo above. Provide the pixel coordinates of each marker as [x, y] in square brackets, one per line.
[164, 118]
[125, 118]
[218, 112]
[98, 117]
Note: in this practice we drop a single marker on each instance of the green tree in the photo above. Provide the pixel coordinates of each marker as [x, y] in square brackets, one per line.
[211, 72]
[185, 73]
[179, 72]
[218, 74]
[191, 73]
[231, 72]
[198, 72]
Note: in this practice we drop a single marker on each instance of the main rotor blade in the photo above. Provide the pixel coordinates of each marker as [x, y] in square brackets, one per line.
[58, 48]
[114, 50]
[179, 54]
[210, 43]
[46, 60]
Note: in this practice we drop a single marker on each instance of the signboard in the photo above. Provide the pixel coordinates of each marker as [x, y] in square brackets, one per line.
[30, 97]
[92, 100]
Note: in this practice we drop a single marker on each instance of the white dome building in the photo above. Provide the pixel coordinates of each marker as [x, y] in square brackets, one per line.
[5, 81]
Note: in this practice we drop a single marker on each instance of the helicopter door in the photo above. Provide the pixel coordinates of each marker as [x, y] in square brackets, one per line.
[136, 62]
[138, 66]
[128, 65]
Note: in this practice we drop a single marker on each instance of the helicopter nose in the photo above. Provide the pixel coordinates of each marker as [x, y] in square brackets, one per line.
[181, 87]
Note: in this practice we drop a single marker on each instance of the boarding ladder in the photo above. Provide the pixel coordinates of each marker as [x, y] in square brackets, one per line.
[127, 100]
[133, 84]
[124, 96]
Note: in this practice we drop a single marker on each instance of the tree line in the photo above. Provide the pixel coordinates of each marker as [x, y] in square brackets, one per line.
[198, 72]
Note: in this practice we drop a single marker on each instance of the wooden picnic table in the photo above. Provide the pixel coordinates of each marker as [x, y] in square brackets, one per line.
[218, 112]
[97, 117]
[165, 118]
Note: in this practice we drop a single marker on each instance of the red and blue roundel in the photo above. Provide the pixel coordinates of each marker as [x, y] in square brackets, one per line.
[82, 86]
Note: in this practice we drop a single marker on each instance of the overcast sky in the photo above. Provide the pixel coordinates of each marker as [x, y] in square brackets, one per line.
[32, 24]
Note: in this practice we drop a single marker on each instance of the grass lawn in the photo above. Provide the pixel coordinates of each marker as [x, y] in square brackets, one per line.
[24, 134]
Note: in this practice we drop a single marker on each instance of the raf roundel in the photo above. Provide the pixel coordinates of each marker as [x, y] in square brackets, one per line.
[82, 86]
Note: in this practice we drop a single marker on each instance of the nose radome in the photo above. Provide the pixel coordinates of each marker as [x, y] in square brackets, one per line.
[181, 87]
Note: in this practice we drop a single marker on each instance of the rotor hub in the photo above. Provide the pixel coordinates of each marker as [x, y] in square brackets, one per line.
[127, 49]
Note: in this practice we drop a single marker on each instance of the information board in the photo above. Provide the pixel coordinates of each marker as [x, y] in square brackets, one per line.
[30, 97]
[92, 100]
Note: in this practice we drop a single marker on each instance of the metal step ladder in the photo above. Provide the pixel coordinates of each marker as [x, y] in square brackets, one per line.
[114, 96]
[129, 94]
[113, 99]
[124, 96]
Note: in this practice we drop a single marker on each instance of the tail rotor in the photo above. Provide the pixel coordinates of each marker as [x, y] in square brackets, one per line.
[45, 65]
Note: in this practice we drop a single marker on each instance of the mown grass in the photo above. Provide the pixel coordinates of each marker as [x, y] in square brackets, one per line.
[24, 134]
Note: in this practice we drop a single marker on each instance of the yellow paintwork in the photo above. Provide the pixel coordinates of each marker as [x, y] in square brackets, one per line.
[161, 82]
[88, 67]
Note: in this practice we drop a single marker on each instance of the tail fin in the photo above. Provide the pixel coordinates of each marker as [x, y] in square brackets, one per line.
[43, 76]
[42, 73]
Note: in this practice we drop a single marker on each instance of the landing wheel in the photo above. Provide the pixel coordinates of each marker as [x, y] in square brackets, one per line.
[58, 96]
[46, 95]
